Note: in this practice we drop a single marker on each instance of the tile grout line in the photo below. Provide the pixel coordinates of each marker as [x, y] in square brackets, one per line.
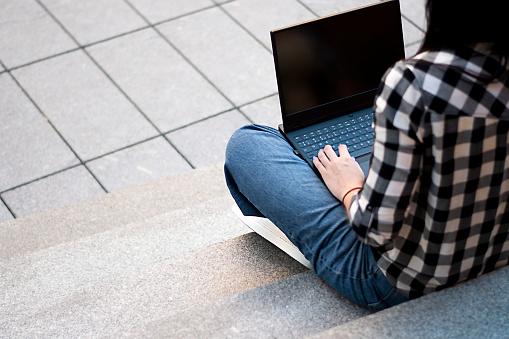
[8, 208]
[183, 56]
[161, 35]
[99, 41]
[224, 10]
[117, 86]
[252, 35]
[157, 24]
[44, 115]
[43, 59]
[153, 27]
[134, 144]
[180, 128]
[168, 20]
[238, 108]
[163, 134]
[423, 30]
[41, 178]
[159, 132]
[220, 6]
[309, 9]
[1, 198]
[150, 25]
[57, 131]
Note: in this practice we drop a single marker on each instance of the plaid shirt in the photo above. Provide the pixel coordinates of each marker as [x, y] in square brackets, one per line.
[434, 206]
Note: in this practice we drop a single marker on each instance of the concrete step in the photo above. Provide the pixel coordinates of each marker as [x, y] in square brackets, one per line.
[290, 308]
[84, 289]
[476, 309]
[170, 259]
[106, 212]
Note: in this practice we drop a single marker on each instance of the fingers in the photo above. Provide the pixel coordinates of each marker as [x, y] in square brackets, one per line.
[323, 160]
[343, 151]
[324, 156]
[327, 154]
[318, 165]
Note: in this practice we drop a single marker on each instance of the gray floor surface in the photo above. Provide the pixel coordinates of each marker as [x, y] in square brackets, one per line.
[97, 96]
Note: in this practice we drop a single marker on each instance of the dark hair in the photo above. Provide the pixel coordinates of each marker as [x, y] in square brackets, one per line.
[458, 23]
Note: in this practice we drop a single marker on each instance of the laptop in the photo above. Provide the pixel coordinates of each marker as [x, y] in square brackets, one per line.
[328, 71]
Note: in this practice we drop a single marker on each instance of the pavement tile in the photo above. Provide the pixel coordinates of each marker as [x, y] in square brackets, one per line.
[264, 112]
[94, 20]
[235, 62]
[151, 160]
[204, 143]
[86, 108]
[73, 185]
[415, 11]
[328, 7]
[29, 147]
[219, 2]
[5, 215]
[28, 33]
[411, 34]
[156, 11]
[261, 16]
[412, 50]
[161, 83]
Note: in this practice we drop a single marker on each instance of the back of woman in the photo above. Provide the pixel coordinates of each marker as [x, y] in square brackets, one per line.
[435, 199]
[438, 185]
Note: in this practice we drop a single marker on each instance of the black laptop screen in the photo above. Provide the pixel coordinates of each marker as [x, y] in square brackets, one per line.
[336, 62]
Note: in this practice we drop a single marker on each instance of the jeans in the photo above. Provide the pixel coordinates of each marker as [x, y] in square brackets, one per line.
[266, 179]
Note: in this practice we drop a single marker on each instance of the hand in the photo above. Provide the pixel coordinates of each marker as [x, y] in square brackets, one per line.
[340, 173]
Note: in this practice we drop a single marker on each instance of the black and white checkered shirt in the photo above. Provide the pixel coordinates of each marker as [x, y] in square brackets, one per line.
[435, 204]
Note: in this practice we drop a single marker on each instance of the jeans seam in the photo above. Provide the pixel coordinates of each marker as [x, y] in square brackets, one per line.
[343, 274]
[384, 299]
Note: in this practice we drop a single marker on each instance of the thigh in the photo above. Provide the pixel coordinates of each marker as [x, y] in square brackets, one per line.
[262, 169]
[282, 186]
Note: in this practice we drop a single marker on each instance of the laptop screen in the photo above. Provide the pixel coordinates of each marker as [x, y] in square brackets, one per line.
[333, 65]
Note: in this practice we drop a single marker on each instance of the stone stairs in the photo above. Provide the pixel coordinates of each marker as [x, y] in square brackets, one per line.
[170, 259]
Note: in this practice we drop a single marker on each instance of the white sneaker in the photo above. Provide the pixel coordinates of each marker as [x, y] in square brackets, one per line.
[272, 233]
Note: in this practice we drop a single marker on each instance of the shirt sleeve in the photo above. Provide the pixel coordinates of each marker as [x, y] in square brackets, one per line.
[378, 210]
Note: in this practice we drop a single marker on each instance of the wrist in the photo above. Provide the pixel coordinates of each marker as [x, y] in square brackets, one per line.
[350, 192]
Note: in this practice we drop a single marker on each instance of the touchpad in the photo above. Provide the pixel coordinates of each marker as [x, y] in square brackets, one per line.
[364, 162]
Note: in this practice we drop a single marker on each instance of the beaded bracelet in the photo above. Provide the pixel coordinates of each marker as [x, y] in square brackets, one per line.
[344, 196]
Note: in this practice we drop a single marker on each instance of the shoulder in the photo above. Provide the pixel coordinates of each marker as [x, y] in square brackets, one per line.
[399, 85]
[399, 102]
[416, 69]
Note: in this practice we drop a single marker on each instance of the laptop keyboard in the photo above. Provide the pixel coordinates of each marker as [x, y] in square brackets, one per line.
[355, 133]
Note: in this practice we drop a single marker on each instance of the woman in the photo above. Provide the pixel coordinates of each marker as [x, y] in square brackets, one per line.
[433, 209]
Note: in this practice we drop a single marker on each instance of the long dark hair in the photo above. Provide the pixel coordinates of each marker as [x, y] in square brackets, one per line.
[453, 24]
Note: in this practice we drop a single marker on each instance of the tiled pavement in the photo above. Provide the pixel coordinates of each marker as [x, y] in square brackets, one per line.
[100, 95]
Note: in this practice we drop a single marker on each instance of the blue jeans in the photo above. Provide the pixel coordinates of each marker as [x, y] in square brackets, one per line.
[267, 179]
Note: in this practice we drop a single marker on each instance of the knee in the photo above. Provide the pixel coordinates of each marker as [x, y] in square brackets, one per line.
[246, 141]
[239, 137]
[237, 149]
